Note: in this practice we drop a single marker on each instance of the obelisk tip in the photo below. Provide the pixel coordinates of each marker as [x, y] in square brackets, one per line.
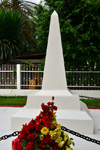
[54, 13]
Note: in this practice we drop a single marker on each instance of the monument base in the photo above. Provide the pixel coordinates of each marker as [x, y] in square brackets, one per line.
[71, 113]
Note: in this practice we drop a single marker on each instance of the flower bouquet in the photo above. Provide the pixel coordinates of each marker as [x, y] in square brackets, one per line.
[43, 132]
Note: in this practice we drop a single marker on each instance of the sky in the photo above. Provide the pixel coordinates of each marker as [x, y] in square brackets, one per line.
[35, 1]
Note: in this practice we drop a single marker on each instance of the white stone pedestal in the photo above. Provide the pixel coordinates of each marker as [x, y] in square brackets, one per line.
[71, 113]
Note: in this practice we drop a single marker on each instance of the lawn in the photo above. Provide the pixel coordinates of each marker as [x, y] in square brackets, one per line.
[21, 101]
[91, 102]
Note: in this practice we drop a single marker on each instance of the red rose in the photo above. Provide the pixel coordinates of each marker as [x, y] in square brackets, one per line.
[43, 106]
[49, 103]
[31, 125]
[24, 132]
[32, 137]
[22, 136]
[47, 110]
[37, 118]
[53, 145]
[25, 129]
[20, 146]
[52, 97]
[30, 145]
[45, 141]
[38, 127]
[55, 108]
[42, 113]
[38, 121]
[48, 124]
[50, 114]
[52, 103]
[45, 118]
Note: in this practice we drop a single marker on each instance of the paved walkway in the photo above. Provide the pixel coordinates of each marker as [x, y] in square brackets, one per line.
[80, 144]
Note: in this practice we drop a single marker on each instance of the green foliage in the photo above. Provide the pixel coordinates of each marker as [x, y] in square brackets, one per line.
[24, 143]
[25, 8]
[11, 24]
[80, 30]
[36, 144]
[29, 63]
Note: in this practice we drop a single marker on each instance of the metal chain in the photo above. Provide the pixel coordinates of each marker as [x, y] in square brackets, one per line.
[89, 97]
[80, 135]
[10, 135]
[63, 128]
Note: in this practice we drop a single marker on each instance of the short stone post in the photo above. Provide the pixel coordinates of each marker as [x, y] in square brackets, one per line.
[18, 77]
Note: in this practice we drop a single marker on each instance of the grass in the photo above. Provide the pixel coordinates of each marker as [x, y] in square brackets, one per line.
[91, 102]
[21, 101]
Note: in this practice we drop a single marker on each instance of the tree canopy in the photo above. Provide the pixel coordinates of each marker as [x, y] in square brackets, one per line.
[80, 30]
[25, 8]
[11, 38]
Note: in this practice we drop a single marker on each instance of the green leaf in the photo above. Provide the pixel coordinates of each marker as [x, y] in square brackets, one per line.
[24, 142]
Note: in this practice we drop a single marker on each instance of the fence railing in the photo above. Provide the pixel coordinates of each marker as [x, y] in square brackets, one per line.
[8, 77]
[26, 76]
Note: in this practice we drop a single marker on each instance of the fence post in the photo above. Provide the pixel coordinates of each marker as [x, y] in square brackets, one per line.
[18, 77]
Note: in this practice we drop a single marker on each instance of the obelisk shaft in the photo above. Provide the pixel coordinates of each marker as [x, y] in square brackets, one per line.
[54, 72]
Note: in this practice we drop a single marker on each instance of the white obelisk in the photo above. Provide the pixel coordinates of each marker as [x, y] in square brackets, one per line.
[54, 79]
[71, 112]
[54, 72]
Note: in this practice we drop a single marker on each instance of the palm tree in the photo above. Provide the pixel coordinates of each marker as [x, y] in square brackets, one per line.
[26, 9]
[22, 6]
[11, 38]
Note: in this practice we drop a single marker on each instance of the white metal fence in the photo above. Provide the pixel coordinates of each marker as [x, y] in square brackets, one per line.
[8, 77]
[27, 76]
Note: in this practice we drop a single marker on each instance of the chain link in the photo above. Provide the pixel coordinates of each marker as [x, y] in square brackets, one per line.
[80, 135]
[89, 97]
[63, 128]
[10, 135]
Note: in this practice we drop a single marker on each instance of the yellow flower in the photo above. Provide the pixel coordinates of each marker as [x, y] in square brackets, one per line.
[54, 116]
[58, 140]
[58, 130]
[41, 137]
[59, 126]
[61, 144]
[54, 136]
[55, 133]
[62, 131]
[44, 130]
[69, 142]
[65, 136]
[54, 122]
[68, 148]
[51, 126]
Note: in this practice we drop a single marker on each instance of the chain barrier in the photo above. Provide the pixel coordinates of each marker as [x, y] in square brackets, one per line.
[63, 128]
[10, 135]
[89, 97]
[80, 135]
